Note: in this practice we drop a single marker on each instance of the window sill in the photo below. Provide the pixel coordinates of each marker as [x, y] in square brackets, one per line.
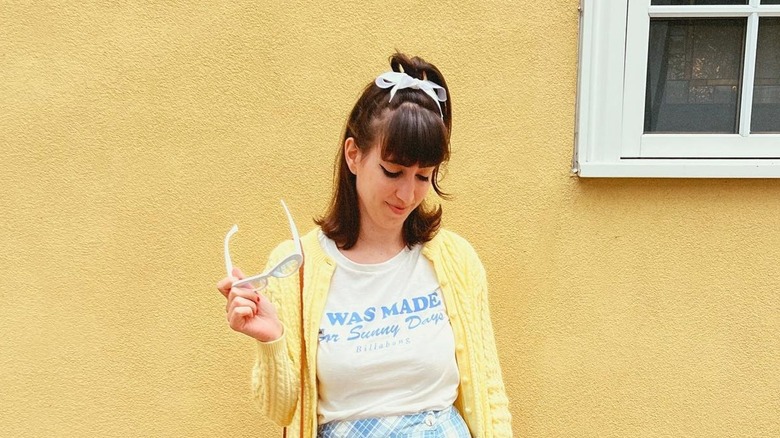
[680, 168]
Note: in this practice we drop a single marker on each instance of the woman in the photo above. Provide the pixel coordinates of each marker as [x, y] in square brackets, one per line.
[397, 337]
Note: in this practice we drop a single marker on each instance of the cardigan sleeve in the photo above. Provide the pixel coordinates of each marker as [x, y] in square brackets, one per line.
[275, 375]
[274, 383]
[499, 421]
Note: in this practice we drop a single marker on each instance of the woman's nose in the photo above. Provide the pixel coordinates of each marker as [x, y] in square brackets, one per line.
[405, 192]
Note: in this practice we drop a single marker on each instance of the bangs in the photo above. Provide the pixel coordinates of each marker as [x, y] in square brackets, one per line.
[414, 135]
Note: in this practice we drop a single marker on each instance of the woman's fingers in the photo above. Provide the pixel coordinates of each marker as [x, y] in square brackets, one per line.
[248, 311]
[224, 285]
[243, 292]
[237, 318]
[238, 302]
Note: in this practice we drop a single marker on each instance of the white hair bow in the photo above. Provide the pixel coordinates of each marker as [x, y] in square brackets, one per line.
[400, 81]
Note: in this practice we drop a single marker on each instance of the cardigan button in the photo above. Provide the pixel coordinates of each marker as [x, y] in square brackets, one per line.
[459, 348]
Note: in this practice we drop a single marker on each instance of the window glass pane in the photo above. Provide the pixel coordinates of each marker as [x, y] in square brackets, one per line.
[766, 91]
[694, 70]
[698, 2]
[770, 2]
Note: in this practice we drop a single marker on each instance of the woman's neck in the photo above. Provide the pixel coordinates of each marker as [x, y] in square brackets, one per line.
[375, 246]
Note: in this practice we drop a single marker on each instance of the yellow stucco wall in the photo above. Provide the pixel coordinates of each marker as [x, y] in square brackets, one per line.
[133, 135]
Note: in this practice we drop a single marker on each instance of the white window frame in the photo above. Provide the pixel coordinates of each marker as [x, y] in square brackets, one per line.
[609, 138]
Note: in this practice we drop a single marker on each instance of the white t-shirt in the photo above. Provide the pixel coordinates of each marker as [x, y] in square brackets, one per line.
[385, 344]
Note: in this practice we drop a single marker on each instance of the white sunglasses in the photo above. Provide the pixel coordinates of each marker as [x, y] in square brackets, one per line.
[288, 266]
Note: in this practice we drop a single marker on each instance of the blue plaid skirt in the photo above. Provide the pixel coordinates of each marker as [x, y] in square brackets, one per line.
[446, 423]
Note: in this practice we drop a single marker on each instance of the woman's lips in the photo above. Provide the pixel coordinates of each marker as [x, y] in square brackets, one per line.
[397, 210]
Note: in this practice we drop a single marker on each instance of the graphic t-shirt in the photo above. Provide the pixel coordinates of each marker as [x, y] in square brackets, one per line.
[386, 346]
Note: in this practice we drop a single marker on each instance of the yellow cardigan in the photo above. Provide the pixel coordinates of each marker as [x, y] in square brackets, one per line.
[275, 377]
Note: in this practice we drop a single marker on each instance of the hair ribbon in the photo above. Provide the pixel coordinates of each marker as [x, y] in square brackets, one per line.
[399, 81]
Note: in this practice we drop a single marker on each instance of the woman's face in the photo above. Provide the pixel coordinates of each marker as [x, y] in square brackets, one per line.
[387, 192]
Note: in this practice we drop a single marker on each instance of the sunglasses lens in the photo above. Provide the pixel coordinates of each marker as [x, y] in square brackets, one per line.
[258, 284]
[286, 269]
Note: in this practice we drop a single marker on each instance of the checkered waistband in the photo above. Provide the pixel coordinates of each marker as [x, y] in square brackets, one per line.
[446, 423]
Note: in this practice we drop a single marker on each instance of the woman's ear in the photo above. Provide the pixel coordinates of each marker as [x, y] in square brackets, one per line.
[351, 154]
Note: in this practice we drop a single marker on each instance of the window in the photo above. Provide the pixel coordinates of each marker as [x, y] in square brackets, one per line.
[679, 88]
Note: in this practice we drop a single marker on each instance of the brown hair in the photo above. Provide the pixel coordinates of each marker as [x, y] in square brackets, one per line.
[409, 130]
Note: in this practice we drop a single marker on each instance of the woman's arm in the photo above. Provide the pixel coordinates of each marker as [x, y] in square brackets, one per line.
[275, 375]
[275, 383]
[500, 419]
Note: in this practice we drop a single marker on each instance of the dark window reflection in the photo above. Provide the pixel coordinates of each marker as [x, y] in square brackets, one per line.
[698, 2]
[766, 88]
[694, 72]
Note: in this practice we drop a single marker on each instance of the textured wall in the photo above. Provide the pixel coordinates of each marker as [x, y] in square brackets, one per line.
[133, 135]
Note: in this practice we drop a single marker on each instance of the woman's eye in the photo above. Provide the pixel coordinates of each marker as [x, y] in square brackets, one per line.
[423, 178]
[390, 174]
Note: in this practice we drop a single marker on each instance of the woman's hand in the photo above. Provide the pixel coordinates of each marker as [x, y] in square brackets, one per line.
[248, 311]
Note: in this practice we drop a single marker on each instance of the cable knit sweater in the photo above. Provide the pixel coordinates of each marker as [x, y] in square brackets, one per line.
[276, 378]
